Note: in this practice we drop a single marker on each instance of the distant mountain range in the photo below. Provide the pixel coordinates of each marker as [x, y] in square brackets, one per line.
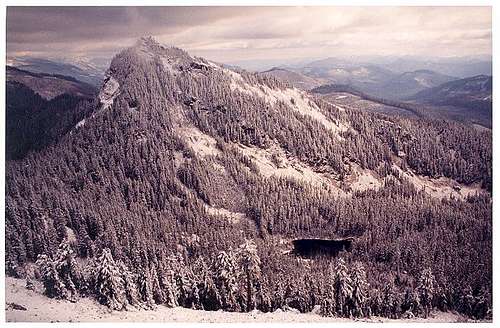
[296, 79]
[80, 69]
[461, 92]
[473, 93]
[49, 86]
[389, 77]
[455, 66]
[371, 79]
[409, 83]
[368, 78]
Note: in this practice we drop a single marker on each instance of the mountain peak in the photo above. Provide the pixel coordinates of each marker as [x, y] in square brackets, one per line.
[147, 40]
[148, 46]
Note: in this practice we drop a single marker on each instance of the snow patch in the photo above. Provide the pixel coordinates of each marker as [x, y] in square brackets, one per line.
[441, 187]
[70, 234]
[365, 179]
[80, 124]
[201, 143]
[340, 109]
[294, 98]
[423, 82]
[232, 217]
[273, 162]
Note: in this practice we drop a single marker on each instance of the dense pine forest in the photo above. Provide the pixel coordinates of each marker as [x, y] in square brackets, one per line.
[121, 208]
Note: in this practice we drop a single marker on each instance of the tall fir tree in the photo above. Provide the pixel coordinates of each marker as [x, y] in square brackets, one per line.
[110, 287]
[250, 265]
[426, 286]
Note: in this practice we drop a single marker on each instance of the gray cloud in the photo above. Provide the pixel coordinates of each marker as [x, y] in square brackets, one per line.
[242, 33]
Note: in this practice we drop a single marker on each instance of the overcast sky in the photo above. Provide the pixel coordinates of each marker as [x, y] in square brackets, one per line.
[232, 34]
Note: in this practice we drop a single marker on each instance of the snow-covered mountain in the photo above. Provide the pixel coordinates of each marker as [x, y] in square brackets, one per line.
[187, 182]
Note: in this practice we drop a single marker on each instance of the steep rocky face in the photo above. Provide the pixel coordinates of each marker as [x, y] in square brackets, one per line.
[182, 156]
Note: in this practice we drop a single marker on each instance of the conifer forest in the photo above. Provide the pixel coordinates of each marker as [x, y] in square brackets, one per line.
[184, 183]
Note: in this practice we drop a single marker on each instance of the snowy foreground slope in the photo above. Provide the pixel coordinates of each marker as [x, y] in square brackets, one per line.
[40, 308]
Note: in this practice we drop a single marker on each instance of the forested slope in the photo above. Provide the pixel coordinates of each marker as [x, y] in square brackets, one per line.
[182, 161]
[33, 123]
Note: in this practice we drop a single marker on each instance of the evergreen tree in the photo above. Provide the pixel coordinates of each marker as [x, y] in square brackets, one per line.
[145, 289]
[250, 265]
[328, 306]
[170, 285]
[359, 290]
[411, 303]
[426, 289]
[226, 278]
[54, 287]
[209, 294]
[62, 275]
[343, 287]
[68, 269]
[391, 305]
[130, 285]
[109, 283]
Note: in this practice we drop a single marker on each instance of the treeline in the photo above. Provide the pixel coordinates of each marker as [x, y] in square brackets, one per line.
[128, 182]
[235, 280]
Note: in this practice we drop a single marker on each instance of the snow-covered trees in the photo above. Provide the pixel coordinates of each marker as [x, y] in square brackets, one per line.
[109, 283]
[250, 265]
[169, 283]
[209, 295]
[339, 294]
[391, 303]
[359, 290]
[426, 290]
[236, 281]
[129, 181]
[342, 287]
[53, 285]
[61, 275]
[129, 279]
[145, 289]
[227, 275]
[328, 305]
[411, 302]
[68, 269]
